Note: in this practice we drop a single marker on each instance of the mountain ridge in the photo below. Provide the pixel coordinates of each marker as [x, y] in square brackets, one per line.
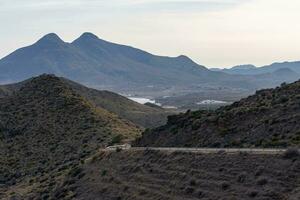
[142, 115]
[253, 70]
[267, 119]
[101, 64]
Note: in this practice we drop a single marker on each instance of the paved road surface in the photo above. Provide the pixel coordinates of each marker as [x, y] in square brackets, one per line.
[199, 150]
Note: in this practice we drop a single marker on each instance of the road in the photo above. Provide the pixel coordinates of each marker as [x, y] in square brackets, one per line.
[199, 150]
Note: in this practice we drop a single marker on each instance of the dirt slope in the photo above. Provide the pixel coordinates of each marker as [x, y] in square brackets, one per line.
[175, 176]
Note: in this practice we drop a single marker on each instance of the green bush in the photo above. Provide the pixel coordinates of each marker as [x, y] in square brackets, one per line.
[104, 172]
[291, 153]
[116, 139]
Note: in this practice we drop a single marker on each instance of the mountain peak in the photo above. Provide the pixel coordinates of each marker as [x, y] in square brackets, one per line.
[88, 35]
[183, 57]
[50, 39]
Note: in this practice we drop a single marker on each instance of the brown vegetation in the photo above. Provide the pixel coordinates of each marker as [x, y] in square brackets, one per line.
[47, 129]
[157, 175]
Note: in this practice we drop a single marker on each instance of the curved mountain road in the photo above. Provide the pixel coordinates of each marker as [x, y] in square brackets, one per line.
[199, 150]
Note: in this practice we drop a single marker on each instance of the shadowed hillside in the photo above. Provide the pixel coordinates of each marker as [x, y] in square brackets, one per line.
[142, 115]
[153, 175]
[46, 127]
[267, 119]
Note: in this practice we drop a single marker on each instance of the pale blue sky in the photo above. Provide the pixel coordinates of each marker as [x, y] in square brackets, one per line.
[212, 32]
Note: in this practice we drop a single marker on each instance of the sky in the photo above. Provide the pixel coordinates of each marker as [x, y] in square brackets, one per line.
[214, 33]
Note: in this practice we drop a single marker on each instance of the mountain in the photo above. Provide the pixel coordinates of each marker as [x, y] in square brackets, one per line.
[252, 70]
[239, 69]
[105, 65]
[271, 79]
[243, 67]
[46, 127]
[177, 175]
[96, 62]
[267, 119]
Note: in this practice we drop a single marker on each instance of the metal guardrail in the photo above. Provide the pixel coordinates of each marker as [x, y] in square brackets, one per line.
[199, 150]
[212, 150]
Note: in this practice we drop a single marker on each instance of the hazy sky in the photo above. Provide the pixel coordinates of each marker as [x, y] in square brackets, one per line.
[214, 33]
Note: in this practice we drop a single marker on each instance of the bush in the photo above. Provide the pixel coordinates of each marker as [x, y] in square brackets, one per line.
[223, 131]
[242, 177]
[200, 194]
[291, 153]
[259, 171]
[75, 171]
[104, 172]
[193, 182]
[119, 149]
[262, 181]
[252, 194]
[189, 190]
[225, 185]
[116, 139]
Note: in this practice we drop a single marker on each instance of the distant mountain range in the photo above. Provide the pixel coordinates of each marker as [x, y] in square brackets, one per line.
[267, 119]
[105, 65]
[253, 70]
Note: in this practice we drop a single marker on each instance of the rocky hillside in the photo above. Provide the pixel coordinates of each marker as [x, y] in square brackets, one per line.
[267, 119]
[46, 127]
[153, 175]
[142, 115]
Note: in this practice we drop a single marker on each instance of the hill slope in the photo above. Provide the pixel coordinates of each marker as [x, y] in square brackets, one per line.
[152, 175]
[142, 115]
[46, 127]
[267, 119]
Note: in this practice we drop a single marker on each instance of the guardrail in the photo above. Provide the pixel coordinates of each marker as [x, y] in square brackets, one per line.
[199, 150]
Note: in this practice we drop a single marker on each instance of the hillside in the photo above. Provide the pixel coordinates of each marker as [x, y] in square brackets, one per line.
[267, 119]
[153, 175]
[144, 116]
[47, 128]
